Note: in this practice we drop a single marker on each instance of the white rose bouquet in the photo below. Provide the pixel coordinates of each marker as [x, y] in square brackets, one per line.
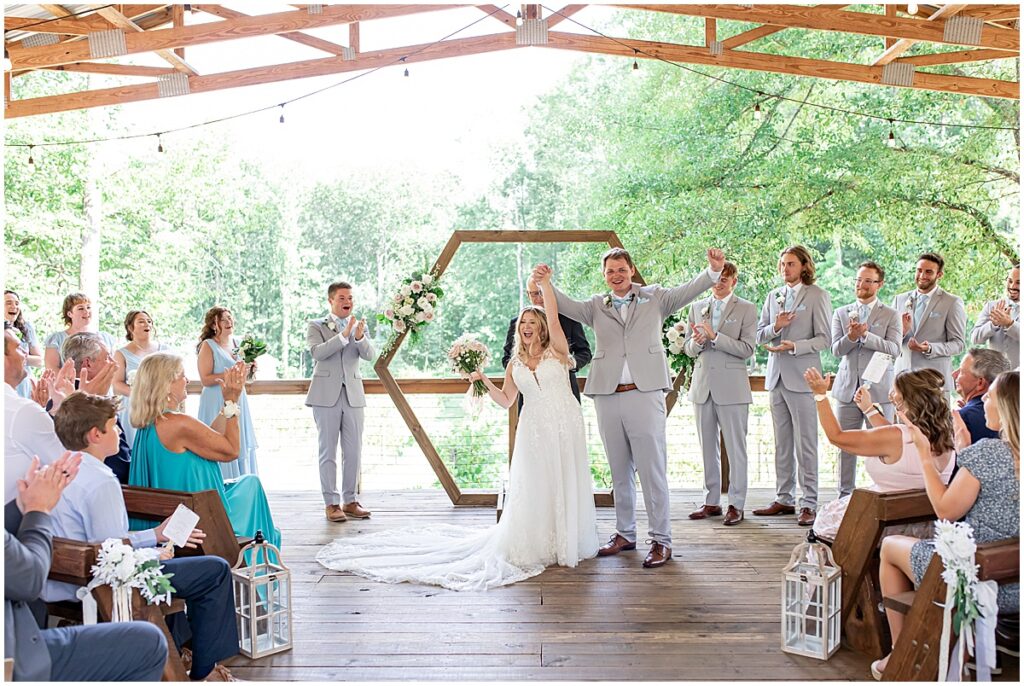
[123, 568]
[412, 306]
[468, 355]
[673, 337]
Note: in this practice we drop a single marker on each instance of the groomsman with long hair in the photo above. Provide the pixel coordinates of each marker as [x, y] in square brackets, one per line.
[794, 328]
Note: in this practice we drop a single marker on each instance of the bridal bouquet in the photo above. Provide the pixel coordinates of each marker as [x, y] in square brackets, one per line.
[673, 335]
[412, 307]
[249, 349]
[468, 355]
[123, 568]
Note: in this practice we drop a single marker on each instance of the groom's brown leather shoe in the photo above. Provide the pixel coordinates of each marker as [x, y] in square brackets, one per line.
[355, 510]
[706, 511]
[733, 516]
[776, 508]
[334, 514]
[615, 545]
[659, 555]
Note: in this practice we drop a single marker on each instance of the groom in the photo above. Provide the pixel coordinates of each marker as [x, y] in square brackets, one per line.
[628, 380]
[337, 342]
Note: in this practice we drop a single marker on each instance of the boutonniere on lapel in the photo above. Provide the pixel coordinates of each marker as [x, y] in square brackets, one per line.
[911, 302]
[331, 325]
[705, 312]
[854, 313]
[608, 300]
[780, 298]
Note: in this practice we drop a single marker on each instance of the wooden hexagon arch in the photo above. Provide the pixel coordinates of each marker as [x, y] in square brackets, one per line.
[484, 499]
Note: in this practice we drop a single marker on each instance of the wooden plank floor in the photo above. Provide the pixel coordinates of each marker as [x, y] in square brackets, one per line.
[712, 613]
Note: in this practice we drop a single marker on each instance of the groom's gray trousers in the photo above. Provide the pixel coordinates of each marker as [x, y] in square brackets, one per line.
[341, 422]
[632, 426]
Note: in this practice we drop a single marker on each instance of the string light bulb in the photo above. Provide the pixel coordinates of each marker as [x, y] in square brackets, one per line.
[159, 142]
[891, 142]
[31, 162]
[519, 18]
[281, 120]
[911, 8]
[636, 64]
[758, 115]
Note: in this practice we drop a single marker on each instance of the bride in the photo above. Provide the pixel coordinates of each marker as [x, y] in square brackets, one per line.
[549, 515]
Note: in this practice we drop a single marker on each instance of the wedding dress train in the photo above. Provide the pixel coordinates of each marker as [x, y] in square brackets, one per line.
[549, 515]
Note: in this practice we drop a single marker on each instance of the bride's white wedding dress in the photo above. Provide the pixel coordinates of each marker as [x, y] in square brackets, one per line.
[548, 519]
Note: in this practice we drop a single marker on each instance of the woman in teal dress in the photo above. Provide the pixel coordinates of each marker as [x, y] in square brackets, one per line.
[175, 451]
[140, 332]
[215, 357]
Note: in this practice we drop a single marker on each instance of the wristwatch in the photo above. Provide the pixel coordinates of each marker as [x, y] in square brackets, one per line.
[230, 409]
[818, 397]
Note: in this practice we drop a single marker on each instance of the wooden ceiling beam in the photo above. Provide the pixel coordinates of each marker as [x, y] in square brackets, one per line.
[563, 14]
[797, 66]
[115, 69]
[957, 57]
[499, 14]
[122, 22]
[304, 39]
[79, 26]
[231, 29]
[901, 46]
[827, 19]
[761, 31]
[177, 21]
[269, 74]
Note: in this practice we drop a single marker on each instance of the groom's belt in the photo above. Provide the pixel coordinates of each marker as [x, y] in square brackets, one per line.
[623, 387]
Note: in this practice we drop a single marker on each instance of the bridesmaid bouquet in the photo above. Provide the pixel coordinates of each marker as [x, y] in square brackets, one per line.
[468, 355]
[249, 349]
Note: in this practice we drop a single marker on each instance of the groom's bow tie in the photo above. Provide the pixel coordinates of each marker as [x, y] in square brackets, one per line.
[618, 302]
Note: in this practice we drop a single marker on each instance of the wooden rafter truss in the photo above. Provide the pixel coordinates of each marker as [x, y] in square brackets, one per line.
[167, 32]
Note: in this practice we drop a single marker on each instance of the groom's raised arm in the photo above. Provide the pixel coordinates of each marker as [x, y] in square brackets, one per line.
[580, 311]
[674, 299]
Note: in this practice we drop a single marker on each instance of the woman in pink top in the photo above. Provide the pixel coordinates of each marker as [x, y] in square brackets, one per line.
[892, 460]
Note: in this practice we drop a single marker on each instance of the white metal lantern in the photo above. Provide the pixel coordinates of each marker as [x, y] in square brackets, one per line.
[811, 602]
[263, 600]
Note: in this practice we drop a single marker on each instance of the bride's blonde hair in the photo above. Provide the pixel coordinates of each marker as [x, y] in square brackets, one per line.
[542, 328]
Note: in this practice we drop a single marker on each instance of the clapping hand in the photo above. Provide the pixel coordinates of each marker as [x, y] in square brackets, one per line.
[784, 319]
[856, 330]
[61, 384]
[1000, 315]
[233, 381]
[706, 332]
[97, 380]
[908, 321]
[716, 259]
[961, 434]
[41, 487]
[782, 347]
[360, 329]
[347, 333]
[41, 388]
[698, 335]
[863, 399]
[921, 347]
[816, 382]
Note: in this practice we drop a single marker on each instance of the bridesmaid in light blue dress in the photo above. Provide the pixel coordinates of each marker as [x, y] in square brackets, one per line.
[77, 315]
[139, 330]
[215, 357]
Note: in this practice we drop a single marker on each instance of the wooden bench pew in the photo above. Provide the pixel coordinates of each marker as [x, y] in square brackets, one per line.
[158, 504]
[72, 563]
[855, 549]
[915, 657]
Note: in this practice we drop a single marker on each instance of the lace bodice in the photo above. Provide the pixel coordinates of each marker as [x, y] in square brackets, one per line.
[549, 380]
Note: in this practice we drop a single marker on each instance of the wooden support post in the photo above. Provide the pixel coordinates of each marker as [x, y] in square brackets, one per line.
[353, 36]
[178, 20]
[890, 11]
[710, 31]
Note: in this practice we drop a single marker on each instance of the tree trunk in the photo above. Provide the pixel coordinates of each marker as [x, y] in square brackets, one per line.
[92, 206]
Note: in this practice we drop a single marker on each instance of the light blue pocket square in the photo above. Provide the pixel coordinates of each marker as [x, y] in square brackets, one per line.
[801, 308]
[729, 321]
[933, 315]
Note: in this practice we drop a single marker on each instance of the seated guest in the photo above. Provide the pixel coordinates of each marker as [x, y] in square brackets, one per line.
[94, 372]
[140, 332]
[77, 315]
[892, 458]
[93, 510]
[178, 452]
[125, 651]
[999, 322]
[28, 429]
[29, 341]
[985, 492]
[978, 369]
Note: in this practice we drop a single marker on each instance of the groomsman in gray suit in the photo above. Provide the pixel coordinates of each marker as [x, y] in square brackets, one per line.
[337, 343]
[721, 338]
[999, 323]
[794, 328]
[934, 322]
[628, 380]
[859, 330]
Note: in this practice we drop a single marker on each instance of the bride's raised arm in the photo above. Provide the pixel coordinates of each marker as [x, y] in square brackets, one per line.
[504, 396]
[542, 276]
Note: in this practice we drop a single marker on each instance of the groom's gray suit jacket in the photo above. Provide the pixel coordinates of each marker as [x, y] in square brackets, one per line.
[638, 341]
[336, 365]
